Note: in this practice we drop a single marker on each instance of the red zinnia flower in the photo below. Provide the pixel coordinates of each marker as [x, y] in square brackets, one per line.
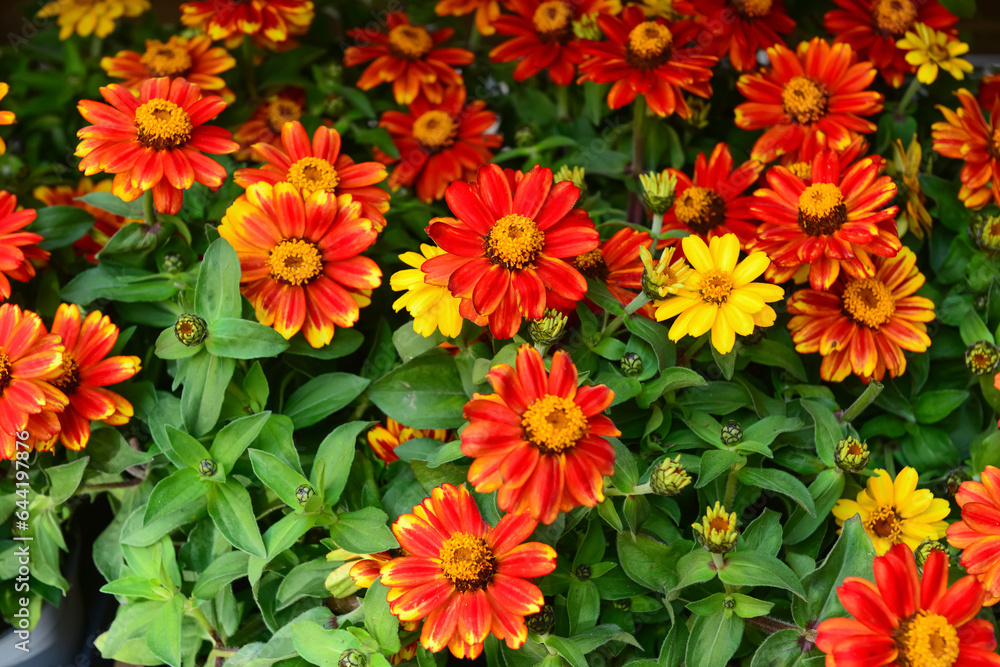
[903, 619]
[105, 224]
[872, 28]
[616, 263]
[274, 20]
[154, 142]
[439, 143]
[544, 36]
[300, 258]
[652, 58]
[540, 441]
[837, 221]
[384, 439]
[320, 166]
[194, 59]
[486, 11]
[743, 27]
[507, 244]
[978, 533]
[265, 123]
[809, 99]
[409, 57]
[16, 246]
[967, 135]
[465, 578]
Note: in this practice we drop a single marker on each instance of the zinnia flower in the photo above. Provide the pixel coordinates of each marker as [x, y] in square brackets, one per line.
[300, 258]
[544, 36]
[6, 117]
[648, 57]
[615, 263]
[86, 17]
[155, 142]
[720, 296]
[810, 99]
[432, 307]
[16, 246]
[439, 144]
[508, 242]
[967, 135]
[978, 533]
[862, 325]
[928, 49]
[274, 20]
[901, 619]
[384, 439]
[265, 123]
[872, 27]
[743, 27]
[194, 59]
[465, 578]
[895, 512]
[320, 166]
[486, 11]
[409, 57]
[712, 203]
[105, 224]
[540, 441]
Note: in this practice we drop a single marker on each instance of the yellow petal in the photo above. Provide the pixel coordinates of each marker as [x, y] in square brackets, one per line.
[702, 318]
[725, 252]
[904, 486]
[740, 321]
[723, 336]
[927, 74]
[697, 253]
[750, 268]
[880, 487]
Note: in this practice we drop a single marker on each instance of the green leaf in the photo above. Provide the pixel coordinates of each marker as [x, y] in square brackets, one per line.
[379, 137]
[235, 437]
[60, 226]
[426, 392]
[671, 379]
[137, 587]
[321, 396]
[224, 570]
[709, 605]
[973, 329]
[694, 568]
[774, 353]
[187, 448]
[655, 334]
[648, 562]
[781, 482]
[110, 453]
[321, 646]
[112, 204]
[753, 568]
[205, 380]
[825, 491]
[828, 432]
[779, 650]
[598, 292]
[168, 347]
[173, 494]
[673, 648]
[333, 461]
[65, 479]
[727, 362]
[345, 341]
[164, 635]
[705, 427]
[230, 507]
[286, 532]
[932, 406]
[769, 428]
[278, 476]
[851, 556]
[965, 9]
[583, 602]
[118, 283]
[410, 345]
[763, 534]
[713, 640]
[243, 339]
[364, 531]
[256, 387]
[217, 293]
[379, 621]
[748, 607]
[715, 462]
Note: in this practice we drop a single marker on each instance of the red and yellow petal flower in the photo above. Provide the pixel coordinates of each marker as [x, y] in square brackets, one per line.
[968, 135]
[193, 58]
[273, 20]
[741, 28]
[384, 439]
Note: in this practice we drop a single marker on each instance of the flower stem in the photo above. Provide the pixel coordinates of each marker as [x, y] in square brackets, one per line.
[203, 621]
[638, 302]
[149, 208]
[639, 115]
[866, 398]
[248, 71]
[911, 90]
[772, 625]
[655, 231]
[562, 102]
[730, 488]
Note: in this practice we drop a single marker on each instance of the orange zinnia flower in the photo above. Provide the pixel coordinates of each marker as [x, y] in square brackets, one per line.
[300, 258]
[105, 224]
[540, 441]
[274, 20]
[408, 56]
[978, 533]
[872, 28]
[862, 325]
[837, 221]
[384, 439]
[320, 166]
[265, 123]
[154, 142]
[652, 58]
[486, 11]
[465, 578]
[16, 246]
[810, 99]
[544, 36]
[903, 619]
[192, 58]
[6, 117]
[743, 27]
[439, 143]
[507, 244]
[967, 135]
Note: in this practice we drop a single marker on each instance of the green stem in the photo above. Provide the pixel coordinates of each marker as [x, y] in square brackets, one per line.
[203, 621]
[772, 625]
[720, 562]
[149, 208]
[638, 302]
[562, 102]
[867, 397]
[248, 69]
[96, 45]
[911, 90]
[730, 488]
[655, 231]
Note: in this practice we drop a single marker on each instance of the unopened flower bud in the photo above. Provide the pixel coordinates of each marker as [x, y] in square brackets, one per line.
[717, 530]
[664, 278]
[631, 364]
[583, 572]
[669, 478]
[173, 263]
[541, 623]
[980, 302]
[207, 467]
[982, 358]
[956, 478]
[986, 232]
[624, 604]
[658, 190]
[352, 658]
[549, 328]
[333, 71]
[852, 455]
[753, 337]
[525, 136]
[732, 433]
[190, 329]
[586, 27]
[574, 176]
[334, 106]
[699, 111]
[304, 493]
[925, 548]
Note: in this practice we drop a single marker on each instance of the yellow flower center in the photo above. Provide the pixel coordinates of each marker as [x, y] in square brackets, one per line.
[894, 17]
[166, 60]
[295, 261]
[514, 242]
[435, 129]
[927, 639]
[162, 125]
[409, 42]
[553, 19]
[995, 143]
[649, 45]
[701, 209]
[803, 170]
[715, 287]
[70, 378]
[821, 209]
[280, 112]
[592, 264]
[938, 52]
[885, 522]
[467, 561]
[312, 174]
[5, 375]
[804, 100]
[869, 302]
[554, 424]
[753, 8]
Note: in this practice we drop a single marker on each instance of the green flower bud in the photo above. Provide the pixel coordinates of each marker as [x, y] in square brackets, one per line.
[699, 111]
[334, 106]
[669, 478]
[956, 478]
[852, 455]
[624, 604]
[981, 302]
[173, 263]
[658, 190]
[190, 329]
[352, 658]
[631, 364]
[525, 136]
[304, 493]
[982, 358]
[583, 572]
[574, 176]
[549, 328]
[986, 232]
[542, 622]
[665, 277]
[586, 27]
[208, 467]
[717, 529]
[732, 433]
[925, 548]
[753, 337]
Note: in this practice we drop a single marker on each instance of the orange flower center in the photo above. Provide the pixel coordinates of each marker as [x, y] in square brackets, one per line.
[70, 378]
[514, 242]
[753, 8]
[162, 125]
[467, 561]
[649, 45]
[280, 112]
[554, 424]
[592, 264]
[894, 17]
[804, 100]
[994, 145]
[166, 60]
[701, 209]
[715, 287]
[927, 639]
[312, 174]
[409, 42]
[5, 375]
[553, 19]
[869, 302]
[885, 522]
[803, 170]
[821, 209]
[435, 129]
[295, 261]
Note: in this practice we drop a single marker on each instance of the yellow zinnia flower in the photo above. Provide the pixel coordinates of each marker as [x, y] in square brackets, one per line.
[720, 295]
[896, 512]
[90, 16]
[6, 117]
[431, 307]
[927, 49]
